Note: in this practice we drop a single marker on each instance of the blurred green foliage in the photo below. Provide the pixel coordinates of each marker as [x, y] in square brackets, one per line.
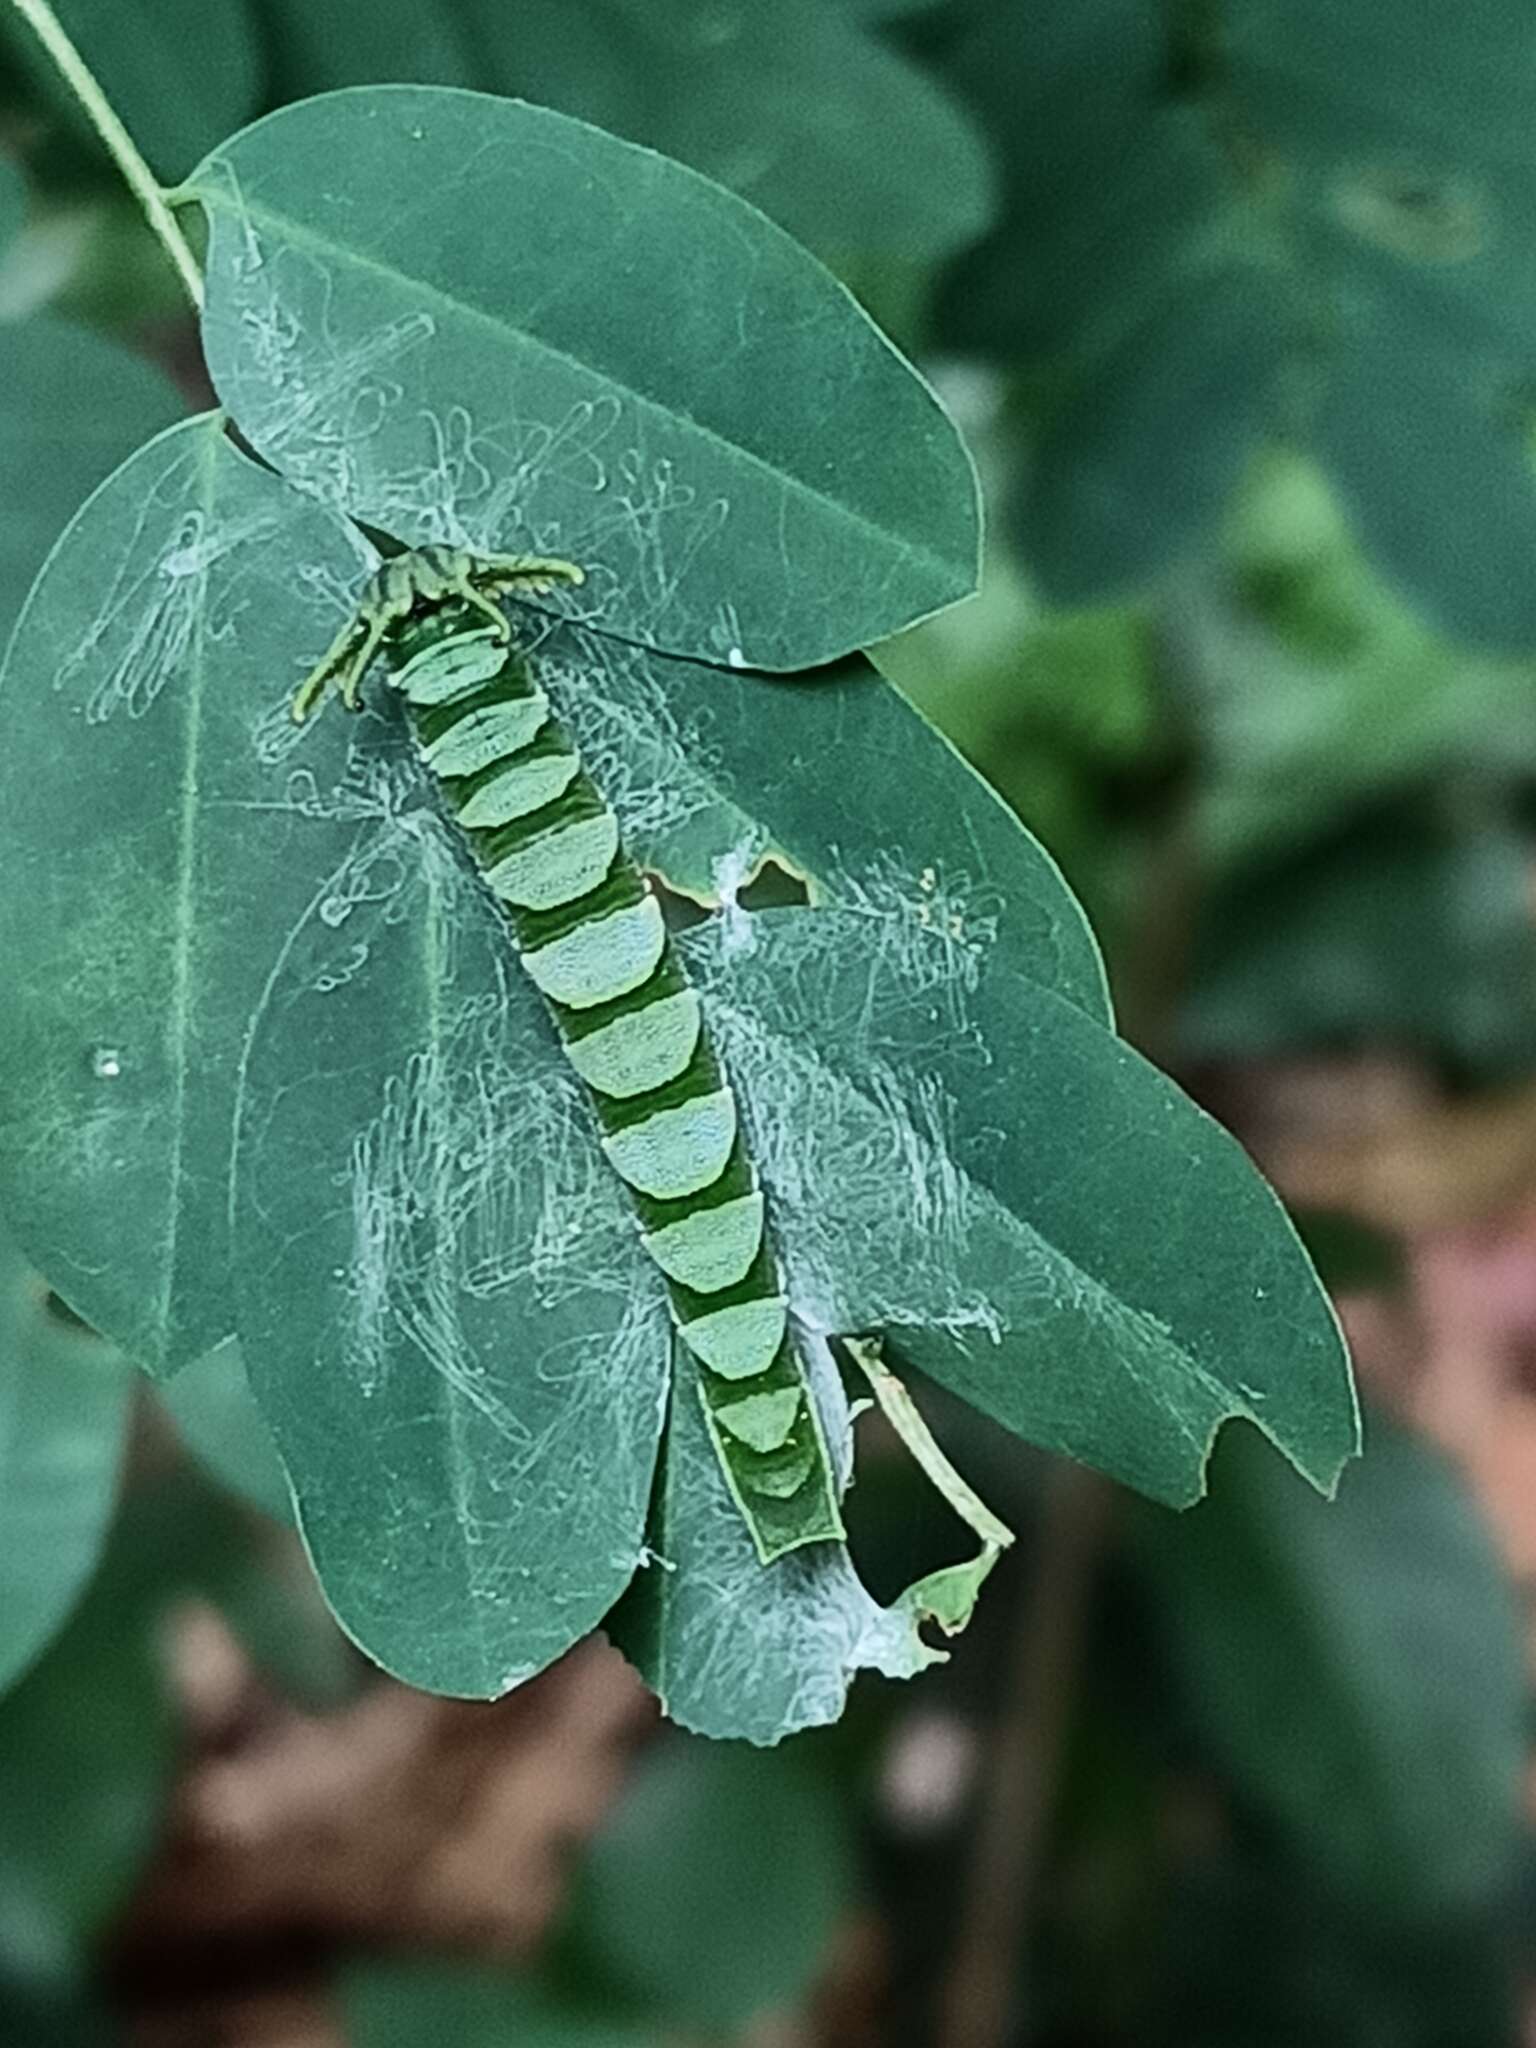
[1235, 301]
[751, 1846]
[1225, 221]
[1355, 1669]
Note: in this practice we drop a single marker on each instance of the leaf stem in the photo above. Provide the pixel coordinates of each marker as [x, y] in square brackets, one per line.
[141, 180]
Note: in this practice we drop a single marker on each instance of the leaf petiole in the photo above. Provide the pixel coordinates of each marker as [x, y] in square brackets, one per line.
[948, 1596]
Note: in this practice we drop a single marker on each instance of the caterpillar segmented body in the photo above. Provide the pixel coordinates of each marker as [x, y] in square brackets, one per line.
[589, 932]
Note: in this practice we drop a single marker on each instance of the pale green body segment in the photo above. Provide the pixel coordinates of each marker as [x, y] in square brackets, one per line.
[520, 790]
[678, 1151]
[741, 1341]
[640, 1051]
[470, 661]
[760, 1421]
[787, 1474]
[598, 961]
[558, 866]
[591, 936]
[712, 1248]
[488, 736]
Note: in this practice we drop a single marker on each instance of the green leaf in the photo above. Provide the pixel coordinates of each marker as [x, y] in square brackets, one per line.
[444, 1308]
[791, 103]
[215, 1411]
[86, 1756]
[72, 406]
[423, 1208]
[1364, 183]
[1318, 697]
[133, 1240]
[1432, 460]
[403, 2004]
[317, 45]
[1020, 1273]
[751, 1847]
[1377, 78]
[403, 978]
[144, 774]
[1106, 184]
[748, 470]
[1406, 931]
[63, 1418]
[179, 73]
[1358, 1666]
[1011, 1152]
[1137, 467]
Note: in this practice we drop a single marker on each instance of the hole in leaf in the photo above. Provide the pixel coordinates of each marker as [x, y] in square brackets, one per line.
[774, 887]
[679, 913]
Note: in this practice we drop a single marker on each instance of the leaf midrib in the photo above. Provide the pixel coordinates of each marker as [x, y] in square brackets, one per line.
[181, 996]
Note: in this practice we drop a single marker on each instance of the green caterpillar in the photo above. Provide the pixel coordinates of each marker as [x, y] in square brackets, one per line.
[589, 932]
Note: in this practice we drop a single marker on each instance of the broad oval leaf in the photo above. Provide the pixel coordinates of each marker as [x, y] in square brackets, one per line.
[471, 320]
[160, 849]
[418, 1174]
[443, 1305]
[64, 1398]
[403, 976]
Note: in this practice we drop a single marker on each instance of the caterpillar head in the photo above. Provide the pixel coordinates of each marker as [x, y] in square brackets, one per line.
[415, 602]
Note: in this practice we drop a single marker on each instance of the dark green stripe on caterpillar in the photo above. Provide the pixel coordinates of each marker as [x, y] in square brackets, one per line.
[589, 932]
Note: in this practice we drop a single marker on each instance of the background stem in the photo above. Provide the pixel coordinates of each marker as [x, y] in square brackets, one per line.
[145, 187]
[983, 2004]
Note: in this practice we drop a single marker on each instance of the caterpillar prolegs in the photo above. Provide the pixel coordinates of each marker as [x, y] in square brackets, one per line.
[589, 932]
